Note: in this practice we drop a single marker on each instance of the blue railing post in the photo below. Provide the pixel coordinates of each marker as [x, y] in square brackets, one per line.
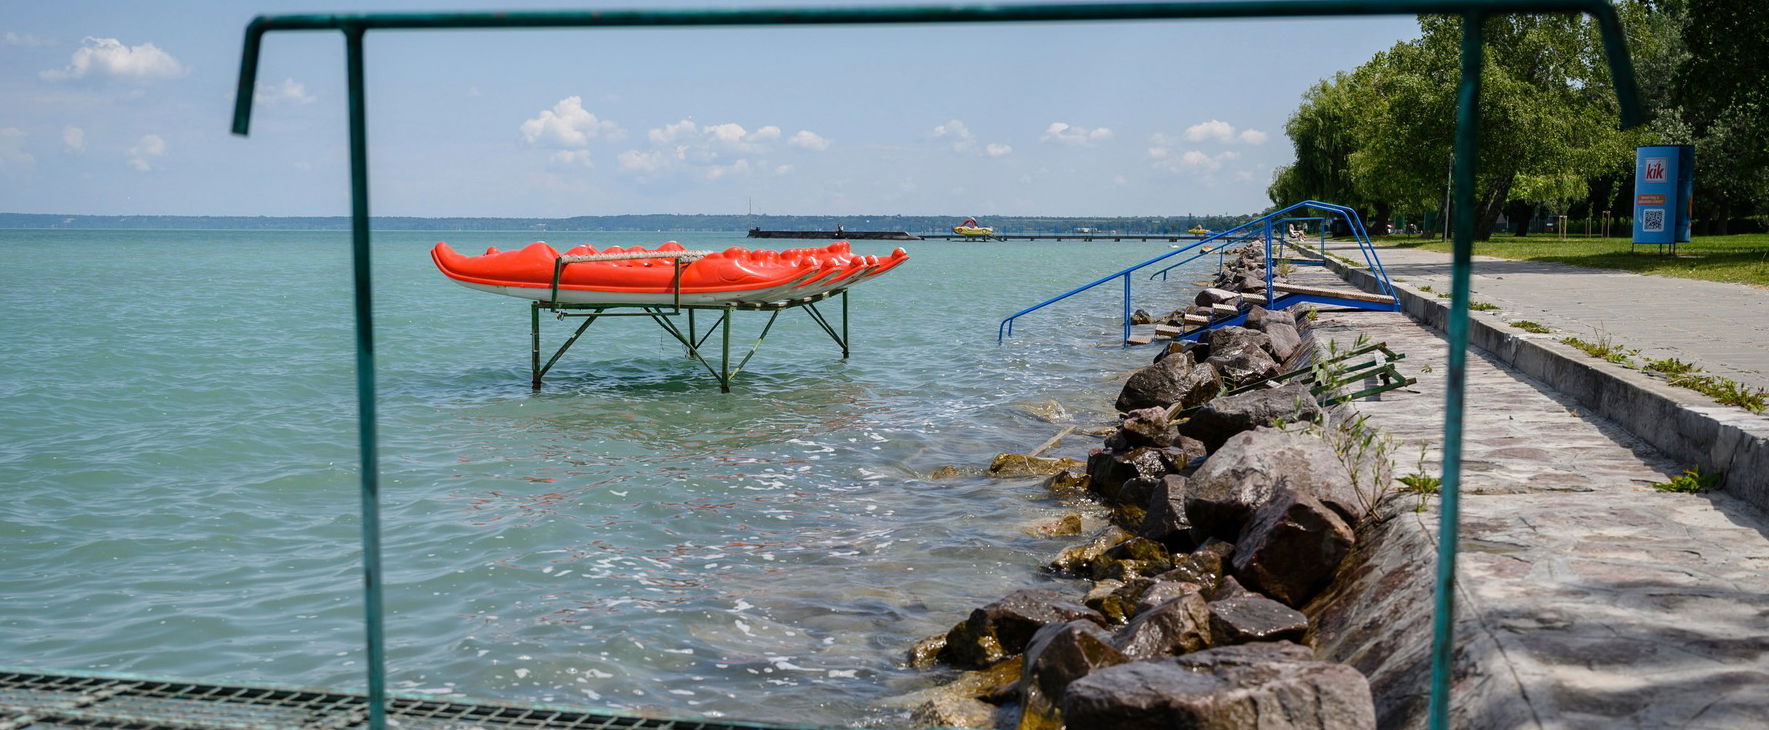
[1126, 306]
[1268, 263]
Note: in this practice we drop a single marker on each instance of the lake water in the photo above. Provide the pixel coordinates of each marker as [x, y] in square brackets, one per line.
[178, 453]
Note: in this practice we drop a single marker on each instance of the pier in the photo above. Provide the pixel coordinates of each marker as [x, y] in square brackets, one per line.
[1095, 236]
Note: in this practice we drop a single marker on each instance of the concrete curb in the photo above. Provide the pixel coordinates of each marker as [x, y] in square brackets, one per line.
[1683, 424]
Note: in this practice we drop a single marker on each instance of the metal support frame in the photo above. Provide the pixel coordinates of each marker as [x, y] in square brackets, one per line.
[662, 315]
[355, 26]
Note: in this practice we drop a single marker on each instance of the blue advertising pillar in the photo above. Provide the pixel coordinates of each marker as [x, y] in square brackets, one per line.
[1664, 186]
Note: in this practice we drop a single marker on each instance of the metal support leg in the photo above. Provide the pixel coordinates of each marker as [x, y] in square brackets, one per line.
[844, 324]
[542, 370]
[725, 355]
[691, 340]
[534, 344]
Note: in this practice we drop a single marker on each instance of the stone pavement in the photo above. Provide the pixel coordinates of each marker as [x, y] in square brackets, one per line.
[1586, 599]
[1723, 328]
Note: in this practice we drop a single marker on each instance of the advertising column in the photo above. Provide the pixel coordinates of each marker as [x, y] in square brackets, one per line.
[1664, 185]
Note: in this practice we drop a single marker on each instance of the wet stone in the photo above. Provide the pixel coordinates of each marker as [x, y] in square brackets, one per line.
[1292, 547]
[1176, 626]
[1224, 417]
[1021, 465]
[1250, 618]
[1058, 655]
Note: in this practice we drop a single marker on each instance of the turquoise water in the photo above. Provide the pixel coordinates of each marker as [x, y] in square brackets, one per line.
[178, 449]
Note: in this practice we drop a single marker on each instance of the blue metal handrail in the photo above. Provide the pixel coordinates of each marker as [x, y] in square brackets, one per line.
[1006, 327]
[1249, 238]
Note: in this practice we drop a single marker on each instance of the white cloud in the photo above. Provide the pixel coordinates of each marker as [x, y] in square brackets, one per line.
[12, 149]
[73, 138]
[148, 146]
[642, 162]
[25, 40]
[567, 124]
[289, 91]
[1165, 153]
[1217, 130]
[740, 167]
[109, 57]
[998, 150]
[1065, 133]
[955, 130]
[570, 158]
[672, 132]
[1211, 130]
[807, 139]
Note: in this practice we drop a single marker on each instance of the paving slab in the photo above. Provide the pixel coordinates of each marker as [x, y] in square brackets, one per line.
[1586, 598]
[1724, 328]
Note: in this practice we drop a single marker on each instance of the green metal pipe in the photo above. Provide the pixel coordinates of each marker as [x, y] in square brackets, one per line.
[1443, 629]
[1621, 69]
[725, 356]
[365, 383]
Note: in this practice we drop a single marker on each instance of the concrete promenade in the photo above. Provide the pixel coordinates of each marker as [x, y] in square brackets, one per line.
[1586, 599]
[1723, 328]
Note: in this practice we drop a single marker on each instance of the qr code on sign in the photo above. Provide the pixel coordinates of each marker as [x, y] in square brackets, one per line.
[1652, 220]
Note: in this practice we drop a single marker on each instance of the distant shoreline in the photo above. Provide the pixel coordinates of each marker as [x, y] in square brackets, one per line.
[620, 223]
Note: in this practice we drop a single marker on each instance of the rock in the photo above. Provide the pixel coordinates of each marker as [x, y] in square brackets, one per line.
[1250, 618]
[1259, 317]
[1211, 296]
[1161, 591]
[1069, 524]
[1204, 566]
[1164, 521]
[926, 651]
[1058, 655]
[1190, 450]
[1125, 570]
[1231, 414]
[1240, 367]
[1174, 379]
[1198, 350]
[1067, 484]
[1222, 689]
[1292, 547]
[1109, 471]
[1021, 465]
[1285, 341]
[1222, 495]
[1143, 427]
[1002, 629]
[949, 711]
[1175, 626]
[1242, 655]
[1225, 339]
[1141, 316]
[1138, 548]
[1080, 558]
[994, 682]
[1103, 597]
[946, 472]
[1228, 588]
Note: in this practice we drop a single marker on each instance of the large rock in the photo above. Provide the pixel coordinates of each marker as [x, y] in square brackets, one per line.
[1259, 318]
[1129, 477]
[1285, 340]
[1212, 295]
[1141, 316]
[1003, 628]
[1165, 521]
[1058, 655]
[1223, 493]
[1178, 625]
[1240, 366]
[1068, 483]
[1222, 689]
[1225, 339]
[1160, 591]
[1231, 414]
[1143, 427]
[947, 711]
[1292, 547]
[1249, 618]
[1172, 379]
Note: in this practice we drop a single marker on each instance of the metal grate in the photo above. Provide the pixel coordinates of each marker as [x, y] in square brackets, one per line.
[38, 701]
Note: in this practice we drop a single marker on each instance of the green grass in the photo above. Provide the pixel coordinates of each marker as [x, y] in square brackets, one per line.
[1741, 259]
[1482, 306]
[1670, 366]
[1602, 349]
[1690, 481]
[1529, 326]
[1725, 391]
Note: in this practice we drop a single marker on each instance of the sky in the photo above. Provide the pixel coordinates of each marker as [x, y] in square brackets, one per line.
[124, 108]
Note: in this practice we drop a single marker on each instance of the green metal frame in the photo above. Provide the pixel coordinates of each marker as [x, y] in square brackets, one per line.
[689, 339]
[1473, 12]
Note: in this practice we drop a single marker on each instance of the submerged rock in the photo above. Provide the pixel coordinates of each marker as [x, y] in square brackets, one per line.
[951, 711]
[1069, 524]
[1079, 559]
[1068, 483]
[1021, 465]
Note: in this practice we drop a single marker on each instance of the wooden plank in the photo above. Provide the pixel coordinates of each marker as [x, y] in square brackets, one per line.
[1054, 440]
[1339, 293]
[1167, 330]
[1139, 339]
[1228, 309]
[1197, 319]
